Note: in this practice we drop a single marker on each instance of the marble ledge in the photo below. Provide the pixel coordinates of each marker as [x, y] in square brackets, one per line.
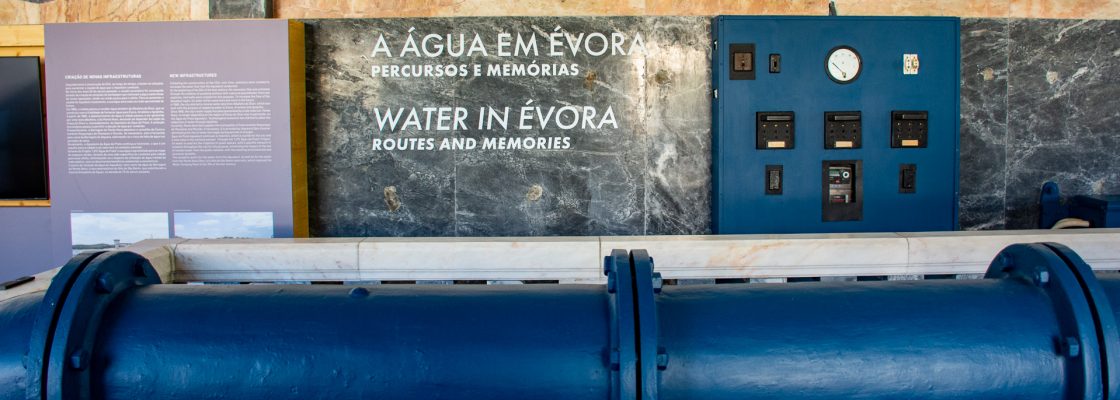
[764, 256]
[972, 252]
[319, 259]
[578, 259]
[520, 258]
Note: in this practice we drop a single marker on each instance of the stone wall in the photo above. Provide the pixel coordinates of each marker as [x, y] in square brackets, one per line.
[54, 11]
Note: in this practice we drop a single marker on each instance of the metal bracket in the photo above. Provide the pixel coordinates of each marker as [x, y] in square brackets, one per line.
[1050, 206]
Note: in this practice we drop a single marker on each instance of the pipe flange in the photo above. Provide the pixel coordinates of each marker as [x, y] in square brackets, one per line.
[46, 319]
[622, 354]
[75, 303]
[1107, 330]
[651, 359]
[1039, 265]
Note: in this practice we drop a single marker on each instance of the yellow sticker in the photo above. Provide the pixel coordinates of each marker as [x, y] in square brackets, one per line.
[776, 145]
[843, 144]
[910, 143]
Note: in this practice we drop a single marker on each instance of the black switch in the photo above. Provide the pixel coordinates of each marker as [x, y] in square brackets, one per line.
[773, 179]
[742, 61]
[775, 63]
[908, 178]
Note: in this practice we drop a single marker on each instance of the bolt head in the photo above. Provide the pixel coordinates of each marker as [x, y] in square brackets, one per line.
[138, 269]
[1071, 346]
[658, 283]
[105, 283]
[79, 360]
[1043, 278]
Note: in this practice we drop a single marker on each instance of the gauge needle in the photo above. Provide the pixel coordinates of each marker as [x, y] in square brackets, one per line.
[842, 72]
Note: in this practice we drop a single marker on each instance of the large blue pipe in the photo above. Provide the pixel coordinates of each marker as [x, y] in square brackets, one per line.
[975, 339]
[1042, 327]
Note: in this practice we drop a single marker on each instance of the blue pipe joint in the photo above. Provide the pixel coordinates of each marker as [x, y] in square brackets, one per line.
[622, 352]
[69, 318]
[1089, 338]
[1041, 327]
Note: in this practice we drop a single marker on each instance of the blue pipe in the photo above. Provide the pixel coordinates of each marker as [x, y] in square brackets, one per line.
[1041, 327]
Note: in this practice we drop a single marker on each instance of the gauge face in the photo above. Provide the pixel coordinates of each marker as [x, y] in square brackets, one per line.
[843, 64]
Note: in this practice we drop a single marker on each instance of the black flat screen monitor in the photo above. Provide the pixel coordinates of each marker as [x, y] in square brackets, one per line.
[23, 158]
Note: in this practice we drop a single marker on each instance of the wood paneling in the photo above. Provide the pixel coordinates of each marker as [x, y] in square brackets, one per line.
[21, 35]
[297, 92]
[25, 203]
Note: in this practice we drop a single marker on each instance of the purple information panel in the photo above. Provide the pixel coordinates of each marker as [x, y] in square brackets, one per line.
[168, 129]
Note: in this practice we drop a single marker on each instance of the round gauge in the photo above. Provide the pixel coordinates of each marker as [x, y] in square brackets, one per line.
[843, 64]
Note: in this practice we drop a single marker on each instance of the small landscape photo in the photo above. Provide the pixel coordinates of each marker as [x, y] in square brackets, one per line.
[223, 225]
[107, 231]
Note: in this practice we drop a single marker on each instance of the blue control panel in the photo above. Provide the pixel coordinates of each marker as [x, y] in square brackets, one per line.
[835, 124]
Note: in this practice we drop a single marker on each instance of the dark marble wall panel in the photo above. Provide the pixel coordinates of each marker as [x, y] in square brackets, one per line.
[593, 188]
[353, 190]
[650, 175]
[983, 123]
[1064, 111]
[240, 9]
[1039, 101]
[678, 112]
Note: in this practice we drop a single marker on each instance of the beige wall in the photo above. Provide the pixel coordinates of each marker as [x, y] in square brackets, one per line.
[24, 12]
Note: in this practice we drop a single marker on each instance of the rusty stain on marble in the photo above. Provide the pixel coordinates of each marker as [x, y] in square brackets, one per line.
[1051, 77]
[535, 193]
[391, 198]
[988, 74]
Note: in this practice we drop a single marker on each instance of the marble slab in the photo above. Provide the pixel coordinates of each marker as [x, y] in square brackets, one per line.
[266, 260]
[648, 174]
[569, 259]
[983, 176]
[766, 256]
[972, 252]
[1063, 111]
[240, 9]
[161, 253]
[579, 259]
